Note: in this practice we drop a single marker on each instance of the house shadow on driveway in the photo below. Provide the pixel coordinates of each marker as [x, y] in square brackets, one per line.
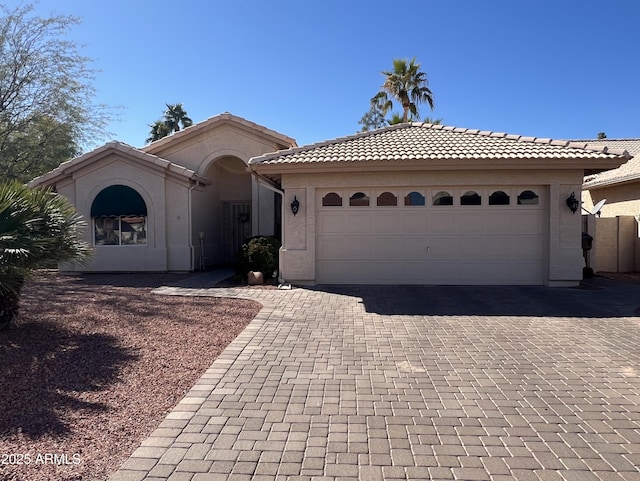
[595, 298]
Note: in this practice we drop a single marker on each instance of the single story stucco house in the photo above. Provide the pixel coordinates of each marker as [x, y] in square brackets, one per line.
[411, 204]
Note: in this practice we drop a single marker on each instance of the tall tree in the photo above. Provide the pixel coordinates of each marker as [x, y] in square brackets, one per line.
[429, 120]
[37, 227]
[175, 117]
[159, 129]
[406, 84]
[373, 119]
[172, 120]
[47, 112]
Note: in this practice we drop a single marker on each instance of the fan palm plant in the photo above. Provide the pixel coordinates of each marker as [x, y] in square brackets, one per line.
[406, 84]
[159, 130]
[175, 117]
[38, 228]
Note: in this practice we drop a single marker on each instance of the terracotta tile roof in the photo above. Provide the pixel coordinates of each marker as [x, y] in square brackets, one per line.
[625, 173]
[416, 141]
[68, 167]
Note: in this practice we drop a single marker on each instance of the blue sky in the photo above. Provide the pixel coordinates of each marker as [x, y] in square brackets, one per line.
[546, 68]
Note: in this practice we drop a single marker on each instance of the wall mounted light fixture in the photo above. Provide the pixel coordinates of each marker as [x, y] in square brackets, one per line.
[573, 203]
[295, 205]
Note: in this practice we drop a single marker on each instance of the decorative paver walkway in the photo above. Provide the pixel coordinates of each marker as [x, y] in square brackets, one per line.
[386, 383]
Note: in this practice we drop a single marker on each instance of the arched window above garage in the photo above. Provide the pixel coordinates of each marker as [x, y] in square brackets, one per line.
[443, 198]
[387, 199]
[332, 200]
[528, 197]
[119, 215]
[359, 199]
[414, 198]
[499, 197]
[470, 198]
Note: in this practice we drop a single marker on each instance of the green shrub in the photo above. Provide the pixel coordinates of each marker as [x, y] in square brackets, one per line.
[259, 254]
[37, 228]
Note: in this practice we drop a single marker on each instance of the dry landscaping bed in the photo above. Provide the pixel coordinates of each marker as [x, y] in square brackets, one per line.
[94, 364]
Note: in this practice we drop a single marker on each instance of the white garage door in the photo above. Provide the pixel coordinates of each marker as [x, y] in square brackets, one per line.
[431, 236]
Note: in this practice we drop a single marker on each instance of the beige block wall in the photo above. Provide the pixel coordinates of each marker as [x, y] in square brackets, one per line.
[616, 244]
[564, 250]
[618, 240]
[606, 245]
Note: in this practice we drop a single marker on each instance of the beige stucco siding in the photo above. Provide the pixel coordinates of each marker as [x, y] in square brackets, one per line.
[563, 249]
[206, 147]
[215, 154]
[180, 253]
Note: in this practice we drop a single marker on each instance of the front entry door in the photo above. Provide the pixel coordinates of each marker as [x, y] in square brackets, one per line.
[236, 228]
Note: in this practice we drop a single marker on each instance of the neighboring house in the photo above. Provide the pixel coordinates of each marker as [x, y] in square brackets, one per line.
[182, 203]
[621, 186]
[430, 204]
[617, 245]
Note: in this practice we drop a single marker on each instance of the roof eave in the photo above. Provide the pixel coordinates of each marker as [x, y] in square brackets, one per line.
[611, 182]
[437, 164]
[67, 169]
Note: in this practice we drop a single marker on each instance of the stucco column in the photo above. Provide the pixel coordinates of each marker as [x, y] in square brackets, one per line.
[298, 252]
[565, 237]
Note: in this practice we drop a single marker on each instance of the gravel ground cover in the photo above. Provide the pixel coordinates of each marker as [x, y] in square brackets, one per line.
[94, 363]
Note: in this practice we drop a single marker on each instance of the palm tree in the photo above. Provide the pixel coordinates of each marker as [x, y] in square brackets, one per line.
[395, 119]
[407, 85]
[159, 129]
[37, 228]
[429, 120]
[175, 116]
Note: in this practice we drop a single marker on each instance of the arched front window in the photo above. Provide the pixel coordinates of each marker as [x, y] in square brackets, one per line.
[119, 217]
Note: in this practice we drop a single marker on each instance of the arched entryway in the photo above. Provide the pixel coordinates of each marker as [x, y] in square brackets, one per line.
[223, 212]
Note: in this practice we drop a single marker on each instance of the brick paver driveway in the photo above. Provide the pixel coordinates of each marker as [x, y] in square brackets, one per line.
[419, 383]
